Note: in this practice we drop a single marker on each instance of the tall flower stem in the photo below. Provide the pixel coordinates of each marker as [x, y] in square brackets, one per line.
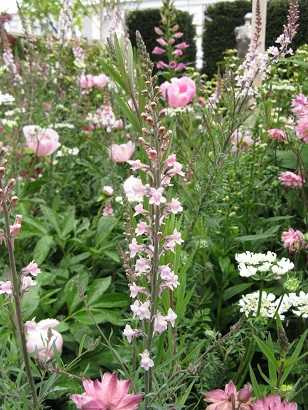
[20, 325]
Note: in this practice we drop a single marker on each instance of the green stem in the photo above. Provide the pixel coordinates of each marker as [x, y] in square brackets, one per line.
[20, 325]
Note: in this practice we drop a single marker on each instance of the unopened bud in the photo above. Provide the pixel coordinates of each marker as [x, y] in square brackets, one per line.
[245, 393]
[2, 171]
[159, 235]
[153, 104]
[18, 219]
[141, 140]
[149, 120]
[14, 200]
[175, 28]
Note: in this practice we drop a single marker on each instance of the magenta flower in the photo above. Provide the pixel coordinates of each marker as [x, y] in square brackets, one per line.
[161, 41]
[172, 64]
[277, 134]
[178, 52]
[291, 180]
[179, 92]
[181, 67]
[42, 142]
[121, 153]
[272, 403]
[161, 65]
[158, 50]
[110, 393]
[293, 240]
[222, 399]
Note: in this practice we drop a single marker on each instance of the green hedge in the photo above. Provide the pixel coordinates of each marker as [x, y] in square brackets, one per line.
[220, 20]
[145, 20]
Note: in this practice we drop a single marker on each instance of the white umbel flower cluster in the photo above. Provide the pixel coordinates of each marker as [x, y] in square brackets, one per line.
[262, 266]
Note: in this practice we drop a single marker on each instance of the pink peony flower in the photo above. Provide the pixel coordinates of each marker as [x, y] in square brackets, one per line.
[293, 240]
[277, 134]
[121, 153]
[42, 339]
[301, 129]
[291, 180]
[272, 403]
[179, 92]
[222, 399]
[158, 50]
[110, 393]
[108, 190]
[42, 142]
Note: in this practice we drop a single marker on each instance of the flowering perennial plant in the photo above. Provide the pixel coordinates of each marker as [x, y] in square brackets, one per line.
[260, 266]
[230, 398]
[269, 306]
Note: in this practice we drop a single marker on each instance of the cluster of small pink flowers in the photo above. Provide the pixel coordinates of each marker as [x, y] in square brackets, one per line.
[291, 180]
[293, 240]
[300, 109]
[9, 62]
[89, 81]
[65, 20]
[104, 118]
[169, 34]
[179, 92]
[108, 211]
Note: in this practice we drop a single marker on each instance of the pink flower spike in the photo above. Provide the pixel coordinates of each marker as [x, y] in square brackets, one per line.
[158, 50]
[32, 268]
[146, 362]
[110, 393]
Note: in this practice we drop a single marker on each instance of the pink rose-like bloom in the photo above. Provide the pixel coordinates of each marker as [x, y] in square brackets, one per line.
[179, 92]
[121, 153]
[272, 403]
[39, 342]
[221, 399]
[42, 142]
[277, 134]
[110, 393]
[158, 50]
[301, 129]
[291, 180]
[293, 240]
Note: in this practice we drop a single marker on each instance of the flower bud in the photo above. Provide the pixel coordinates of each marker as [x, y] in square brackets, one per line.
[108, 190]
[245, 393]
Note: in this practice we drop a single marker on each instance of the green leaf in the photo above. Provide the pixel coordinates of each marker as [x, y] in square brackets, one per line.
[52, 218]
[130, 115]
[255, 385]
[100, 315]
[267, 353]
[42, 249]
[72, 297]
[97, 288]
[30, 302]
[69, 222]
[112, 300]
[235, 290]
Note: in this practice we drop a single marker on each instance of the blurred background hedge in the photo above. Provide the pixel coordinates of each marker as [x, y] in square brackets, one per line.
[220, 20]
[145, 20]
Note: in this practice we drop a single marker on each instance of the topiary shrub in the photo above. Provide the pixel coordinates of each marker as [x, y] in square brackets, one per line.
[145, 20]
[220, 20]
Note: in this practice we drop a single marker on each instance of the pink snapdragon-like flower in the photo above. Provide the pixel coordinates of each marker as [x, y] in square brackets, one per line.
[272, 403]
[42, 339]
[240, 141]
[42, 142]
[157, 196]
[172, 64]
[142, 310]
[182, 46]
[277, 134]
[27, 281]
[110, 393]
[158, 31]
[158, 50]
[32, 268]
[6, 287]
[121, 153]
[293, 240]
[291, 180]
[134, 248]
[222, 399]
[146, 362]
[179, 92]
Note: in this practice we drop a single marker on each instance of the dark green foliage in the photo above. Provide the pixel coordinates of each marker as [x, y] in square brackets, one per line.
[145, 20]
[277, 11]
[220, 20]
